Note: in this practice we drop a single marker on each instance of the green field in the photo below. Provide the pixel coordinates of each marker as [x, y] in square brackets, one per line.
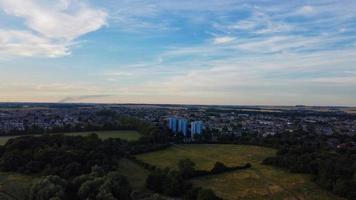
[259, 182]
[126, 135]
[14, 186]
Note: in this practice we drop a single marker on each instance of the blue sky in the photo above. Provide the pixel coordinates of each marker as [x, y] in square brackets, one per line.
[193, 52]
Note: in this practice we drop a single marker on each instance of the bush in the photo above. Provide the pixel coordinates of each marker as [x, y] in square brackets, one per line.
[50, 187]
[207, 194]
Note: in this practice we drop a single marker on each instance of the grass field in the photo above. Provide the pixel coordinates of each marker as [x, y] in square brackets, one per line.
[259, 182]
[14, 186]
[127, 135]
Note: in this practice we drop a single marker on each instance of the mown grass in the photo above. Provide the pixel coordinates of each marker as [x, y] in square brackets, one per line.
[259, 182]
[126, 135]
[14, 186]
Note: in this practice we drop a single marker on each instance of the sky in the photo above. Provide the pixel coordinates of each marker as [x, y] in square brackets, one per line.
[234, 52]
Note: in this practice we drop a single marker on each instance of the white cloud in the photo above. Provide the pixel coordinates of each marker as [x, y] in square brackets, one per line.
[281, 43]
[223, 40]
[25, 43]
[56, 24]
[258, 79]
[244, 25]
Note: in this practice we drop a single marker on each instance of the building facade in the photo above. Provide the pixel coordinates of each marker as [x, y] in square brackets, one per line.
[172, 124]
[197, 127]
[183, 126]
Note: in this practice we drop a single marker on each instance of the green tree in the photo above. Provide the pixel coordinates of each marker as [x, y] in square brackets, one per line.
[219, 167]
[207, 194]
[115, 186]
[186, 168]
[49, 188]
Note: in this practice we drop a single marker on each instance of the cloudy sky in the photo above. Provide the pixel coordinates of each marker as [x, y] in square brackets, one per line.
[269, 52]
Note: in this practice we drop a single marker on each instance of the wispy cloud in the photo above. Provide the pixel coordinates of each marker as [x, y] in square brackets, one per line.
[51, 27]
[223, 40]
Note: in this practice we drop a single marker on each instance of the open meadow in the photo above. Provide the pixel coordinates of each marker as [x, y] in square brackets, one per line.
[259, 182]
[14, 186]
[122, 134]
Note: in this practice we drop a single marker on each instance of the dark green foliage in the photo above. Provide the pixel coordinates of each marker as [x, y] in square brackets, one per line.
[172, 183]
[101, 185]
[218, 168]
[72, 169]
[187, 170]
[333, 168]
[49, 188]
[151, 134]
[97, 185]
[87, 163]
[206, 194]
[191, 194]
[66, 156]
[167, 182]
[116, 186]
[186, 167]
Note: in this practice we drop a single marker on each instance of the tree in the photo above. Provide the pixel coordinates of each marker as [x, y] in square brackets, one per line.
[207, 194]
[73, 169]
[115, 186]
[218, 168]
[155, 181]
[98, 186]
[90, 188]
[166, 182]
[49, 188]
[186, 168]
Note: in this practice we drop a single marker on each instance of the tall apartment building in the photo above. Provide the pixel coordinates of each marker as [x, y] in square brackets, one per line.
[183, 126]
[172, 124]
[197, 127]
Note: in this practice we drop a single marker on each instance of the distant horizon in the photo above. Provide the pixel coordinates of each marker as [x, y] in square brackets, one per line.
[183, 104]
[215, 52]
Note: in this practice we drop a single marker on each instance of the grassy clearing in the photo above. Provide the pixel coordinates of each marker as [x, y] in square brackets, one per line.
[259, 182]
[126, 135]
[14, 186]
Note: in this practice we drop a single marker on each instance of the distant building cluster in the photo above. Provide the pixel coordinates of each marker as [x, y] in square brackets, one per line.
[189, 121]
[180, 125]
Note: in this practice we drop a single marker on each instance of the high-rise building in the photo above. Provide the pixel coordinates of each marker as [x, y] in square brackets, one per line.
[172, 124]
[197, 127]
[182, 126]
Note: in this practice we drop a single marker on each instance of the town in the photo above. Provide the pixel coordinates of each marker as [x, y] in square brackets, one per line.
[185, 120]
